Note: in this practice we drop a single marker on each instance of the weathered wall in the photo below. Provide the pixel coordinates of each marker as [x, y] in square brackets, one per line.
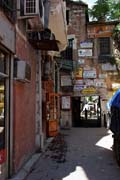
[24, 106]
[77, 24]
[77, 31]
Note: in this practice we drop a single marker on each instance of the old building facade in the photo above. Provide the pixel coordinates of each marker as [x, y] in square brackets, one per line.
[28, 42]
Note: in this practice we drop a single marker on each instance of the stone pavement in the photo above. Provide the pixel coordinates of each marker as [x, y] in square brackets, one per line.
[78, 154]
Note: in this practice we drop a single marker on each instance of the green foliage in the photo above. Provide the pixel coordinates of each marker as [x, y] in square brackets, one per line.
[105, 10]
[116, 36]
[100, 10]
[114, 7]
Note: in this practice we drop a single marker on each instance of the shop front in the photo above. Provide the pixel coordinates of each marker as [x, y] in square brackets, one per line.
[7, 51]
[4, 113]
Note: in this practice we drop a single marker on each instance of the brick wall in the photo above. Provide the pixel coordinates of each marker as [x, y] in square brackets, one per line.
[77, 24]
[24, 106]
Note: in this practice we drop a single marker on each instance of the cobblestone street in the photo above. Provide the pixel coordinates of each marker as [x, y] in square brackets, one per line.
[78, 154]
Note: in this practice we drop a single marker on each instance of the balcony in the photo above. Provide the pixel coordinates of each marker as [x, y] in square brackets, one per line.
[43, 40]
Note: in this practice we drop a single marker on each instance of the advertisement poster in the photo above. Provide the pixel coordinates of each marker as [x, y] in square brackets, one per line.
[66, 102]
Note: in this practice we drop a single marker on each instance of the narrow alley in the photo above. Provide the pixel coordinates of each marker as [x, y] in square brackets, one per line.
[78, 154]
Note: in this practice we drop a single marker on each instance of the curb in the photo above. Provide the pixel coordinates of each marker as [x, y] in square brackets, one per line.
[23, 173]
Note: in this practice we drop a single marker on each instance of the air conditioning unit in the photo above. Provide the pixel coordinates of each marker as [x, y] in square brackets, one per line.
[22, 71]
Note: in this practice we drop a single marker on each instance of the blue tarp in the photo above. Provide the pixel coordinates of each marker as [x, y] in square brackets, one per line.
[115, 100]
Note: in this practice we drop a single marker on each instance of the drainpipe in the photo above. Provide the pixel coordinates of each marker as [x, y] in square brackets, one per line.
[39, 132]
[58, 87]
[10, 122]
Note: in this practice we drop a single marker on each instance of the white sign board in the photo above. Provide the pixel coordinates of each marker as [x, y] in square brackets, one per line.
[102, 76]
[86, 44]
[89, 74]
[89, 82]
[85, 52]
[99, 83]
[81, 61]
[108, 67]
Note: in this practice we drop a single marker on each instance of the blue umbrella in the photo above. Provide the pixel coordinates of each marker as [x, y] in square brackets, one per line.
[115, 100]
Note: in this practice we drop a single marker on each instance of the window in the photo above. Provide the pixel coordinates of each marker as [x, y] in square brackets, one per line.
[68, 53]
[104, 50]
[104, 45]
[67, 16]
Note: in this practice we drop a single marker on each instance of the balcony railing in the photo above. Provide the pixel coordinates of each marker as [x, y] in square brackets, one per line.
[43, 40]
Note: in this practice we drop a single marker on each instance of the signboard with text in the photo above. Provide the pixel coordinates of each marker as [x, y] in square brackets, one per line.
[78, 87]
[89, 74]
[108, 67]
[66, 102]
[85, 52]
[86, 44]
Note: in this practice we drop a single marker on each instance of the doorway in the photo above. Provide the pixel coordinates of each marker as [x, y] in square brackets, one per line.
[86, 111]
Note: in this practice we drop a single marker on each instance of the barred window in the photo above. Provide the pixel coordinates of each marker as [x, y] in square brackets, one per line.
[104, 45]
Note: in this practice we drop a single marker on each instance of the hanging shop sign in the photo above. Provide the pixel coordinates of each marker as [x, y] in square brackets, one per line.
[89, 74]
[86, 44]
[108, 67]
[66, 80]
[85, 52]
[90, 90]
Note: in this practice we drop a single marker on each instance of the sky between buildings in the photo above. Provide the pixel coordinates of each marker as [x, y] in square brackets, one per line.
[89, 2]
